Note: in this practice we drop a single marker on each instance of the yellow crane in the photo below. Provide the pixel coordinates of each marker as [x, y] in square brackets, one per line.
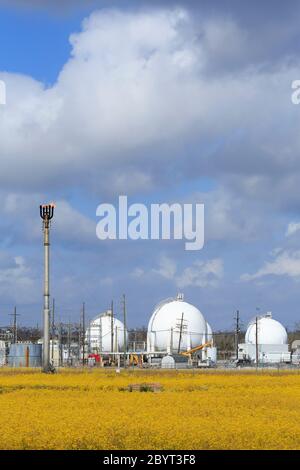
[197, 348]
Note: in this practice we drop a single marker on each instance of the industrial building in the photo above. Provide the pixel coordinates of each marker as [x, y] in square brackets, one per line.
[105, 334]
[178, 336]
[266, 342]
[25, 355]
[177, 328]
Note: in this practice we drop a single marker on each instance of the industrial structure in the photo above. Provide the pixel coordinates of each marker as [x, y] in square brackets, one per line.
[266, 342]
[178, 336]
[46, 213]
[177, 328]
[105, 334]
[25, 355]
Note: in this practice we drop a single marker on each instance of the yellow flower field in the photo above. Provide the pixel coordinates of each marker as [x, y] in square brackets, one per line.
[194, 410]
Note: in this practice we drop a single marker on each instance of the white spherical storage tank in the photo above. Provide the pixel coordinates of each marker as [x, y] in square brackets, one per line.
[269, 331]
[176, 325]
[103, 331]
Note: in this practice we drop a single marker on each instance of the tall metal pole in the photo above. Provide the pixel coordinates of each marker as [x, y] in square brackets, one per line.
[100, 335]
[52, 330]
[69, 342]
[46, 213]
[89, 340]
[180, 333]
[83, 333]
[125, 327]
[60, 344]
[15, 325]
[237, 332]
[256, 340]
[112, 326]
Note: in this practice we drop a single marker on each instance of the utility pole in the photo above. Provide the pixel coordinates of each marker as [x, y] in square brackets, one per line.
[83, 333]
[100, 335]
[53, 330]
[69, 342]
[237, 332]
[180, 333]
[15, 325]
[60, 344]
[112, 327]
[89, 337]
[256, 340]
[125, 336]
[46, 213]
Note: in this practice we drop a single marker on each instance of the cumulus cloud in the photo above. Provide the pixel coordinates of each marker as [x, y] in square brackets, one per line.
[167, 268]
[292, 228]
[202, 274]
[153, 100]
[286, 263]
[199, 274]
[20, 220]
[152, 107]
[16, 276]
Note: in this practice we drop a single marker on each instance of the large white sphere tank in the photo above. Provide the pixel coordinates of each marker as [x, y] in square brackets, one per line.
[176, 325]
[102, 331]
[269, 331]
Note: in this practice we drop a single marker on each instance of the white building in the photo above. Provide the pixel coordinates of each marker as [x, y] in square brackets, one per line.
[177, 326]
[105, 334]
[266, 338]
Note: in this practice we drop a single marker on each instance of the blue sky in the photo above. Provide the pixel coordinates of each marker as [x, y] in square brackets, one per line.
[164, 102]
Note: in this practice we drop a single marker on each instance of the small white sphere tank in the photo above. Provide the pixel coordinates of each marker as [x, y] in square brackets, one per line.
[99, 334]
[269, 331]
[175, 325]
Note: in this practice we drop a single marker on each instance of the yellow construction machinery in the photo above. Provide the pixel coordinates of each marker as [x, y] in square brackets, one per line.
[197, 348]
[136, 360]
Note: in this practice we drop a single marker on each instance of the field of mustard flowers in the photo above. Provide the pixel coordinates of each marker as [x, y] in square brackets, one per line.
[93, 409]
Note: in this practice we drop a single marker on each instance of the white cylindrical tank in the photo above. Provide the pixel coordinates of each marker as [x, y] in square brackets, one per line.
[102, 331]
[176, 325]
[269, 331]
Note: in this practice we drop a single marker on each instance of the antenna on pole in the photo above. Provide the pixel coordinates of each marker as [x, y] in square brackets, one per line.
[46, 213]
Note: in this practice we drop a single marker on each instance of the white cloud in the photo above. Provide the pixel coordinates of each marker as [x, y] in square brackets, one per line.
[202, 274]
[167, 268]
[199, 274]
[286, 263]
[17, 277]
[134, 93]
[20, 219]
[292, 228]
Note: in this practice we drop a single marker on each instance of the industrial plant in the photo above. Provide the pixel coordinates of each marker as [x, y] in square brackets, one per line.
[178, 336]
